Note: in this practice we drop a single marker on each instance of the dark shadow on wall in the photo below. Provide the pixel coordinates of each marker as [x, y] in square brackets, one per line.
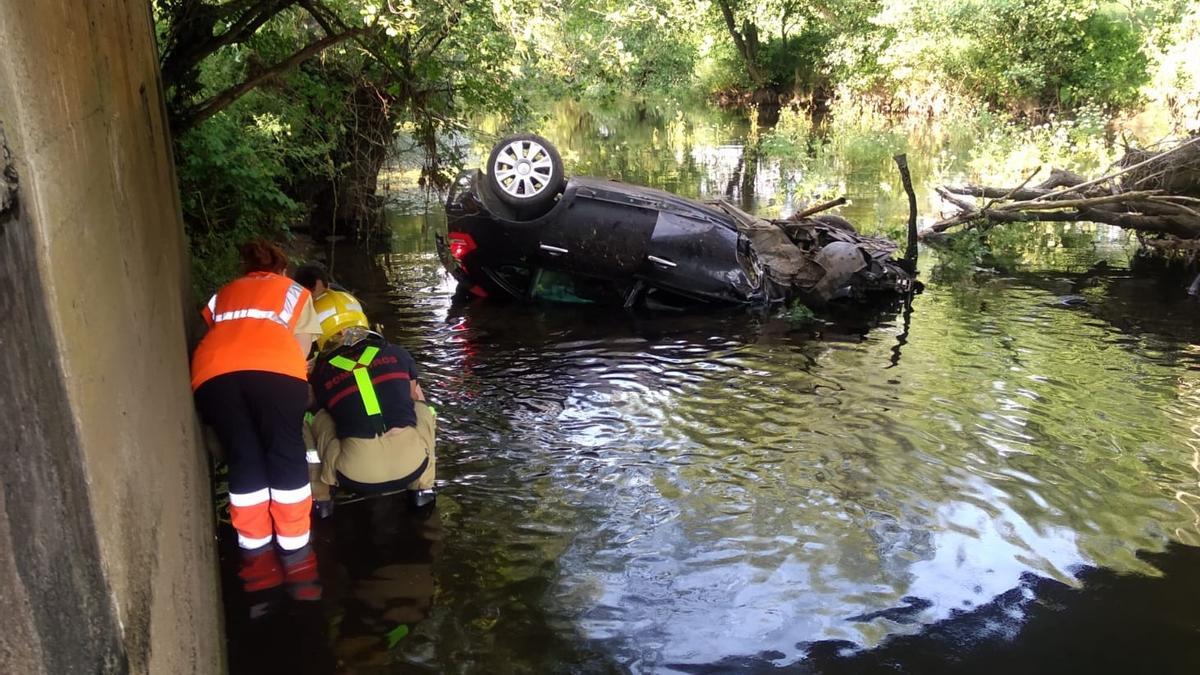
[56, 604]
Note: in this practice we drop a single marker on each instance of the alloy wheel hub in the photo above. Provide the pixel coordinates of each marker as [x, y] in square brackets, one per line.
[523, 169]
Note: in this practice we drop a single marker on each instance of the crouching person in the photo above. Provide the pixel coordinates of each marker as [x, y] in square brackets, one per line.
[374, 432]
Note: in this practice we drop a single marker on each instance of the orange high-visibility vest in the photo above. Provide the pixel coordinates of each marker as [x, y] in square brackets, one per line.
[252, 320]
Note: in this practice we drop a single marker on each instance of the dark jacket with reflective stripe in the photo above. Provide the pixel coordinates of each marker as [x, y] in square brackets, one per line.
[336, 390]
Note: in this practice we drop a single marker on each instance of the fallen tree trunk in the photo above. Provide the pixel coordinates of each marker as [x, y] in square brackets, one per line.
[1154, 193]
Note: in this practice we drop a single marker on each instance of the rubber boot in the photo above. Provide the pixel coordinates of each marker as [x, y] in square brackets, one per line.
[261, 575]
[260, 569]
[300, 571]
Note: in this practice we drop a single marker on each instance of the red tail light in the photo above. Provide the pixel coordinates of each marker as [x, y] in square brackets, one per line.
[461, 244]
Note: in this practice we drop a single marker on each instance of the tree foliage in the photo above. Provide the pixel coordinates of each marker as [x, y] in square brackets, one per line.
[790, 45]
[1061, 55]
[1010, 54]
[286, 109]
[283, 108]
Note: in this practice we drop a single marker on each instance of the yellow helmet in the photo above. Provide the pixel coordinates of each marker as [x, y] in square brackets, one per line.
[337, 311]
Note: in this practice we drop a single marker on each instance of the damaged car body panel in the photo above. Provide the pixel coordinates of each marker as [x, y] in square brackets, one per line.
[602, 241]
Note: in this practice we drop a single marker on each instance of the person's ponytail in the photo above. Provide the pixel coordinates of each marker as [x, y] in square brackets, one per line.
[260, 255]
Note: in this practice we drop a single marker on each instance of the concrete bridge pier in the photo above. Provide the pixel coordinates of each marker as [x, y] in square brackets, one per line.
[107, 549]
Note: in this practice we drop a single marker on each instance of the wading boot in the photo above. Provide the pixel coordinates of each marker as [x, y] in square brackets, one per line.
[419, 499]
[261, 575]
[300, 570]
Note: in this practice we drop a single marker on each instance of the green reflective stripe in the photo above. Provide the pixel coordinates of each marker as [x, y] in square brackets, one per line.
[364, 359]
[362, 378]
[368, 356]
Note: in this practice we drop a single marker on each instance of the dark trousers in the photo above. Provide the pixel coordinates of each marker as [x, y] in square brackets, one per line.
[259, 418]
[380, 488]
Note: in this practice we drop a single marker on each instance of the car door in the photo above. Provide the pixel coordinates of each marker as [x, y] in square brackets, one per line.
[602, 233]
[700, 256]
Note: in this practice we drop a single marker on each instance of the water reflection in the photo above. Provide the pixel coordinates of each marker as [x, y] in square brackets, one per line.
[680, 493]
[699, 151]
[386, 582]
[646, 493]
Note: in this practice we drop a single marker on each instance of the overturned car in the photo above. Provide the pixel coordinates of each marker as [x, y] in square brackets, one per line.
[524, 231]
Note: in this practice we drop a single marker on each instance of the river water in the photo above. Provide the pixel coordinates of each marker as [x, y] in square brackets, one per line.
[1006, 480]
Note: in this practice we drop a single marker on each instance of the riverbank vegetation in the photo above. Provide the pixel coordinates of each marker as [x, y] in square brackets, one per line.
[285, 111]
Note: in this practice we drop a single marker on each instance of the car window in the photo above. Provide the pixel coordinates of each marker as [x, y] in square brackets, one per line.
[512, 278]
[655, 298]
[555, 286]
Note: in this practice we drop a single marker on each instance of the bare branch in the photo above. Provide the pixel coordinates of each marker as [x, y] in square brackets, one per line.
[1009, 194]
[1171, 210]
[813, 210]
[323, 19]
[1076, 203]
[995, 192]
[1151, 160]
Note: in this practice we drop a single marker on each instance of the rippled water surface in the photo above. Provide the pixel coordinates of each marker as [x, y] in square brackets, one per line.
[1001, 480]
[678, 493]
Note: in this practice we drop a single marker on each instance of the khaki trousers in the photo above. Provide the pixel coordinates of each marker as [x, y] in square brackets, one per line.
[320, 489]
[391, 456]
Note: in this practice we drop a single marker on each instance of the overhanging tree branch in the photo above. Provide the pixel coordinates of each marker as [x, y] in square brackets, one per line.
[193, 39]
[323, 16]
[440, 35]
[331, 22]
[212, 106]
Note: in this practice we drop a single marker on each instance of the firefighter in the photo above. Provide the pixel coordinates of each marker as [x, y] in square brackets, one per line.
[374, 432]
[250, 381]
[317, 280]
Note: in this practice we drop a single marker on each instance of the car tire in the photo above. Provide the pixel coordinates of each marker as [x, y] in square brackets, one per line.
[526, 172]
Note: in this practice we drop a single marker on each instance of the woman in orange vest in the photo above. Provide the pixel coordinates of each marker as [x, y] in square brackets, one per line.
[249, 375]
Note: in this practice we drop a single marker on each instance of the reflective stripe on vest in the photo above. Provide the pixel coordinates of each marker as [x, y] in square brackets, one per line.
[252, 322]
[362, 378]
[282, 317]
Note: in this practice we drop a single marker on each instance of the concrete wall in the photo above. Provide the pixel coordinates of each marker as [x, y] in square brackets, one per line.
[107, 550]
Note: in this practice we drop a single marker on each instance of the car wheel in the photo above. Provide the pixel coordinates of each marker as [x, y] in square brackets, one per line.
[525, 171]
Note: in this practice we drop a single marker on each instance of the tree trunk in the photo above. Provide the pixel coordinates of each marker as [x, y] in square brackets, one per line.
[747, 46]
[349, 203]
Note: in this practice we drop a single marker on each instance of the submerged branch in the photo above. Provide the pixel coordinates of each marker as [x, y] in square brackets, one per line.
[910, 252]
[1068, 197]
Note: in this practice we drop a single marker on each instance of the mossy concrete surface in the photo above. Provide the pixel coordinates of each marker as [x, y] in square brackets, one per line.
[107, 549]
